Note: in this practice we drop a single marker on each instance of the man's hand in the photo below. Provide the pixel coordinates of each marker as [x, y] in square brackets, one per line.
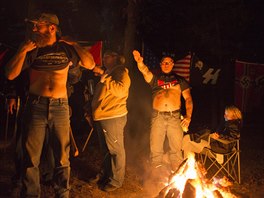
[142, 67]
[86, 58]
[15, 65]
[185, 122]
[214, 135]
[98, 71]
[27, 46]
[103, 78]
[138, 58]
[11, 105]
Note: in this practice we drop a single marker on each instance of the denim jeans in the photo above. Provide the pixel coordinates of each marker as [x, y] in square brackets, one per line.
[43, 113]
[47, 158]
[115, 158]
[163, 125]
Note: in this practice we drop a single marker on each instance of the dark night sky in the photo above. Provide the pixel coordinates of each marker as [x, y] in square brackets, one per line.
[217, 29]
[220, 29]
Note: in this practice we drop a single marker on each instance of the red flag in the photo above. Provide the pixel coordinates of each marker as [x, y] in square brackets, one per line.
[249, 87]
[182, 67]
[96, 51]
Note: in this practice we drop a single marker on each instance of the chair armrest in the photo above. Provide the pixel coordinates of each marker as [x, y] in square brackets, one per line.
[224, 141]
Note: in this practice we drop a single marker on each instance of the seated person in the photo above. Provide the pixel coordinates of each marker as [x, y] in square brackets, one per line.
[229, 131]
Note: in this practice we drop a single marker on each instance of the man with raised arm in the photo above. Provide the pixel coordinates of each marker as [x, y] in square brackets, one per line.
[167, 89]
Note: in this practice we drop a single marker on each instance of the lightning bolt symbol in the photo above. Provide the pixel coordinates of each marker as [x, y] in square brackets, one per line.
[209, 75]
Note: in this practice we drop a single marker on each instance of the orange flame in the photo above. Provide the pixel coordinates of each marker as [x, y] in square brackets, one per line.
[191, 171]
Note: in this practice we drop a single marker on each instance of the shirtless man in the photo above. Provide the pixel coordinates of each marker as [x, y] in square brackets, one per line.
[167, 89]
[48, 60]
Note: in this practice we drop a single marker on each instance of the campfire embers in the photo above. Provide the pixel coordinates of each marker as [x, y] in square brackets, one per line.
[189, 181]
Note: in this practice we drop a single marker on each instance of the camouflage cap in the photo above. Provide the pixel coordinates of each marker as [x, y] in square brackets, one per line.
[45, 17]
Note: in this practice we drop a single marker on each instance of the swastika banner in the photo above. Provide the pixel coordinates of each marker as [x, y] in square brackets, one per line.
[249, 85]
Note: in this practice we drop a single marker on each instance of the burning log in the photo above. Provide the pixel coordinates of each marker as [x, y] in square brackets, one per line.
[189, 190]
[217, 194]
[189, 181]
[173, 193]
[179, 170]
[169, 192]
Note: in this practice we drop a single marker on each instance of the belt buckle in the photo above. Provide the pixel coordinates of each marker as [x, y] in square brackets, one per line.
[170, 113]
[165, 113]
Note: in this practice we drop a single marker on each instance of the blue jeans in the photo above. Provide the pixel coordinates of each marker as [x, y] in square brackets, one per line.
[163, 125]
[43, 113]
[115, 157]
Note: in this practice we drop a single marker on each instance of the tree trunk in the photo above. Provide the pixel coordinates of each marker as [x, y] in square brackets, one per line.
[130, 32]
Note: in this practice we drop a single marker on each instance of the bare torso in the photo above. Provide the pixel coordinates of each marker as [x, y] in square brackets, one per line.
[49, 83]
[168, 99]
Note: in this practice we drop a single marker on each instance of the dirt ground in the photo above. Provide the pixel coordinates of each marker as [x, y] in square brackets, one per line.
[87, 164]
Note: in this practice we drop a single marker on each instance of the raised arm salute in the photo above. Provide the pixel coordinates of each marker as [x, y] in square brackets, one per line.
[167, 89]
[142, 67]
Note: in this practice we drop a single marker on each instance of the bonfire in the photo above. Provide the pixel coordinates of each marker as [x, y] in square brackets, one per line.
[189, 181]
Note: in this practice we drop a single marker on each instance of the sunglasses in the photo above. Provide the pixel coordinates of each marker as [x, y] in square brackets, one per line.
[166, 63]
[38, 25]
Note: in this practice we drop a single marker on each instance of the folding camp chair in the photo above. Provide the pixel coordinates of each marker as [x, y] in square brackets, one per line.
[231, 161]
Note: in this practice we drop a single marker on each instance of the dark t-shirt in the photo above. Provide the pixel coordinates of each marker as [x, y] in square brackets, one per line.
[52, 58]
[165, 81]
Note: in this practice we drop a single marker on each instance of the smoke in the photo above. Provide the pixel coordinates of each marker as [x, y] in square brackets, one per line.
[137, 137]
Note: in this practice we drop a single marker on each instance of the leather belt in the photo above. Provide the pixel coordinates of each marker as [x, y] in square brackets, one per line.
[43, 99]
[167, 112]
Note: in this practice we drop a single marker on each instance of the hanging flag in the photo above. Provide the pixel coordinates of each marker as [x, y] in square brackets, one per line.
[202, 74]
[96, 51]
[249, 85]
[95, 48]
[182, 67]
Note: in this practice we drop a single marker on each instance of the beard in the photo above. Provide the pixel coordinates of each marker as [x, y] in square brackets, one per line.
[41, 39]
